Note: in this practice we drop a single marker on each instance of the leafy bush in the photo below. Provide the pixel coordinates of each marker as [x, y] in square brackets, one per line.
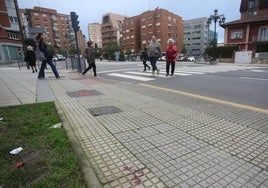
[222, 51]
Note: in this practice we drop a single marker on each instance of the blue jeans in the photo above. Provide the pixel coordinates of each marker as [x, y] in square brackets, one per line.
[153, 61]
[42, 69]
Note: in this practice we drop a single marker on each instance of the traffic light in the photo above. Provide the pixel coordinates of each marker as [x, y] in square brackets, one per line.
[75, 22]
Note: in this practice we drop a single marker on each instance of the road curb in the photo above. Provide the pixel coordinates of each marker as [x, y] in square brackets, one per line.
[84, 164]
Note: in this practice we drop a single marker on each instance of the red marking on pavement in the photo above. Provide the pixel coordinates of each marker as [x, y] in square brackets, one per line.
[136, 173]
[83, 93]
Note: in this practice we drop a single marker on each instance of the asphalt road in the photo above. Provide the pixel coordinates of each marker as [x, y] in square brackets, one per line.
[242, 84]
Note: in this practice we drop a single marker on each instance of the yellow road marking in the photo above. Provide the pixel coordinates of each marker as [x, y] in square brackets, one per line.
[208, 98]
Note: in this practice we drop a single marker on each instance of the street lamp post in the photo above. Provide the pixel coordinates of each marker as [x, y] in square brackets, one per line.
[215, 17]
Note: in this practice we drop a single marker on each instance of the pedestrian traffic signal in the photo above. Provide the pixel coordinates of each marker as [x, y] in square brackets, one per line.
[75, 22]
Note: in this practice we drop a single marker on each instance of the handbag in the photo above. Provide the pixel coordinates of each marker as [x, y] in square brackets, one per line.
[40, 55]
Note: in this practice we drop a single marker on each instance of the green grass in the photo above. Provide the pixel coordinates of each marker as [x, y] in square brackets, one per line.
[47, 156]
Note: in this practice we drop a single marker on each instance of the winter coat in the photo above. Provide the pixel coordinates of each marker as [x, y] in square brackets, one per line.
[144, 55]
[154, 50]
[30, 57]
[44, 48]
[171, 53]
[90, 55]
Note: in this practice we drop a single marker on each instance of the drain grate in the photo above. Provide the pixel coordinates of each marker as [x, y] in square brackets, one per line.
[104, 110]
[83, 93]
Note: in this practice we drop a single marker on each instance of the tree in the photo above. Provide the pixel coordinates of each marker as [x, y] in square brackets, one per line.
[110, 49]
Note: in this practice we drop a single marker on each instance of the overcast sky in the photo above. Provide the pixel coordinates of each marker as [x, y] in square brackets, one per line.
[91, 11]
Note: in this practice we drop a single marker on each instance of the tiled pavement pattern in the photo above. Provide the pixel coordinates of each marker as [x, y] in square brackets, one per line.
[154, 143]
[178, 142]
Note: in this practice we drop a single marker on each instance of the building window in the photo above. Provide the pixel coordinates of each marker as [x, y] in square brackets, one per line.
[36, 14]
[150, 17]
[143, 27]
[44, 15]
[143, 19]
[150, 25]
[169, 19]
[158, 24]
[252, 13]
[157, 16]
[13, 36]
[253, 4]
[236, 35]
[263, 34]
[13, 19]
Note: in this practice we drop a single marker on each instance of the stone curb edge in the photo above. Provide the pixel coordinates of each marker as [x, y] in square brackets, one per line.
[84, 164]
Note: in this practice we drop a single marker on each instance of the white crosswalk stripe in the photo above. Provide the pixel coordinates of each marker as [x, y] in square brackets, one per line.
[180, 71]
[131, 77]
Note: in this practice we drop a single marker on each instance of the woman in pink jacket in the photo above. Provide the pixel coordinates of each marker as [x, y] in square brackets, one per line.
[171, 55]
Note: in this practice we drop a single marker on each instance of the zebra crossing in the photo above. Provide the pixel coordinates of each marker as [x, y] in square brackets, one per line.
[179, 71]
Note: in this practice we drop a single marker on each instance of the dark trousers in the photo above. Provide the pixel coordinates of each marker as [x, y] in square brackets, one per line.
[153, 61]
[43, 66]
[91, 65]
[145, 65]
[172, 67]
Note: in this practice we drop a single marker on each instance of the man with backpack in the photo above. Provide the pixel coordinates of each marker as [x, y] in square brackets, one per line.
[171, 55]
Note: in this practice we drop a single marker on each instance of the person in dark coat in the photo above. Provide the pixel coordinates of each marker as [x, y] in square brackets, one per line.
[90, 56]
[30, 57]
[144, 58]
[48, 54]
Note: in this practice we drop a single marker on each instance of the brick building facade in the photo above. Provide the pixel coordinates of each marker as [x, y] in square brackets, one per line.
[252, 28]
[10, 35]
[138, 30]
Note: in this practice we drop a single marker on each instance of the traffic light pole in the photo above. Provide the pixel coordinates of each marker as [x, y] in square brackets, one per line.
[75, 25]
[78, 54]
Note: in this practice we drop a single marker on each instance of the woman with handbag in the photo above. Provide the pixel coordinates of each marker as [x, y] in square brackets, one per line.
[46, 57]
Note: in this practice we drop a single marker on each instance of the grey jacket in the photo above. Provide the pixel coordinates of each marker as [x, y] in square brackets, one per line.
[154, 49]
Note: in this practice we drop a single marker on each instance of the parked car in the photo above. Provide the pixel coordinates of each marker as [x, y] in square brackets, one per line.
[54, 58]
[191, 58]
[183, 58]
[163, 58]
[60, 57]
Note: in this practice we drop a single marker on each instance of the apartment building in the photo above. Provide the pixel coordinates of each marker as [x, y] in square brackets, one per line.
[10, 36]
[56, 26]
[138, 30]
[94, 33]
[196, 36]
[111, 28]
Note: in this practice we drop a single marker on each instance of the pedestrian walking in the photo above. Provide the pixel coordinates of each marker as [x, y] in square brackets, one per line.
[30, 57]
[154, 53]
[144, 58]
[90, 56]
[171, 55]
[48, 55]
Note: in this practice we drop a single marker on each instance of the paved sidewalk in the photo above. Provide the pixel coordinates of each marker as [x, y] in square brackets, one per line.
[126, 135]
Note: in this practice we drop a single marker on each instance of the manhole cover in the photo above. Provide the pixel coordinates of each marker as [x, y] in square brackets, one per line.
[83, 93]
[104, 110]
